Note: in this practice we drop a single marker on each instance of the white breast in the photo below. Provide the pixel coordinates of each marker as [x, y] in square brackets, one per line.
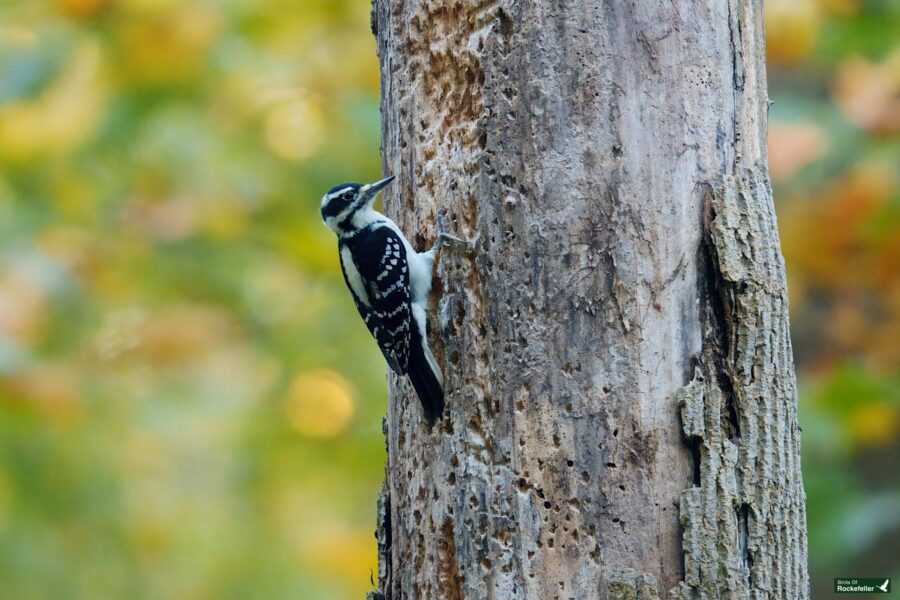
[353, 276]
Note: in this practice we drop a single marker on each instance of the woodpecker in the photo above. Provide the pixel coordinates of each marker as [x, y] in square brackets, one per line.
[389, 282]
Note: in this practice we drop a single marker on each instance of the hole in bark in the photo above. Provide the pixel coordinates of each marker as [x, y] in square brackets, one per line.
[460, 315]
[504, 22]
[585, 476]
[452, 479]
[694, 445]
[733, 426]
[556, 441]
[611, 465]
[547, 504]
[615, 433]
[570, 463]
[523, 485]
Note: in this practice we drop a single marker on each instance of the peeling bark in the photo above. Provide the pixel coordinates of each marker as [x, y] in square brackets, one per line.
[621, 417]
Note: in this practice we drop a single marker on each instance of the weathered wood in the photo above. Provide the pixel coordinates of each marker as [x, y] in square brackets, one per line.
[621, 402]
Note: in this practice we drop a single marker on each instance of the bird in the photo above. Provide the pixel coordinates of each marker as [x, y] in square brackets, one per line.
[389, 282]
[884, 586]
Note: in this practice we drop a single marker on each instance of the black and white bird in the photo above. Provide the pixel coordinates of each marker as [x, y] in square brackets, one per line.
[389, 282]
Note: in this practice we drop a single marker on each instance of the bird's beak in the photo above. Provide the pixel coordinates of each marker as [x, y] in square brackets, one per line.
[371, 190]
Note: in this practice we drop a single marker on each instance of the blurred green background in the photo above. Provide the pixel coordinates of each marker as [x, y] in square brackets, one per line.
[189, 406]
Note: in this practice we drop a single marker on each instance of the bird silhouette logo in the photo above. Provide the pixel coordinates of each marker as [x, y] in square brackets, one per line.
[884, 586]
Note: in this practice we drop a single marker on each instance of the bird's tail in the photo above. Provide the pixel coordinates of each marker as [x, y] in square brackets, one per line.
[426, 378]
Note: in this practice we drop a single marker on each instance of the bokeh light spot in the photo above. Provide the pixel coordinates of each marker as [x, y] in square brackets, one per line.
[875, 424]
[792, 30]
[319, 404]
[294, 127]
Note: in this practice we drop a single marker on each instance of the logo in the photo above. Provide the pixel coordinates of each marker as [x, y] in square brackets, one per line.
[862, 585]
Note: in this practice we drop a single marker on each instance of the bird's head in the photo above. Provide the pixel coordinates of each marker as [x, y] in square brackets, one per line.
[341, 202]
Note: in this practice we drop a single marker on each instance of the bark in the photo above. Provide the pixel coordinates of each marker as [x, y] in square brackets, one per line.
[621, 417]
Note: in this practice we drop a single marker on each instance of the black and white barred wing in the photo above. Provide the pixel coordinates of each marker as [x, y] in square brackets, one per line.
[375, 269]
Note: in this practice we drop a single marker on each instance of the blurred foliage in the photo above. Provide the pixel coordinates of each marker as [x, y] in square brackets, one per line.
[834, 154]
[189, 407]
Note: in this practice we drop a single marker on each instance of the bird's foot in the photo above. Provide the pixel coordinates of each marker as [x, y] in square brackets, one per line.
[444, 237]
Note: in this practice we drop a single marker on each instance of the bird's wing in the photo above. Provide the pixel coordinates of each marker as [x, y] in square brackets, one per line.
[376, 271]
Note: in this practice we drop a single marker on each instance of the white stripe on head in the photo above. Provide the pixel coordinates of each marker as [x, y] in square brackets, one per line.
[332, 195]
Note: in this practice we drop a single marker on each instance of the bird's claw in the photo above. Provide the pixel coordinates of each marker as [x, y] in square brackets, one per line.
[443, 236]
[441, 222]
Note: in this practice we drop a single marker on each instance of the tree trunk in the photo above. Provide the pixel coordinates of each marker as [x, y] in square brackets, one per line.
[621, 418]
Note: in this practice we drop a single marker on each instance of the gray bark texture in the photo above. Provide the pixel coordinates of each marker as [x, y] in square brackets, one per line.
[621, 405]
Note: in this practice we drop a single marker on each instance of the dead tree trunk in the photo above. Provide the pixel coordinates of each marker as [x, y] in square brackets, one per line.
[621, 416]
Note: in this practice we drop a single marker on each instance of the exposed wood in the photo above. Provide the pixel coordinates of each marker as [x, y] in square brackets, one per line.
[621, 418]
